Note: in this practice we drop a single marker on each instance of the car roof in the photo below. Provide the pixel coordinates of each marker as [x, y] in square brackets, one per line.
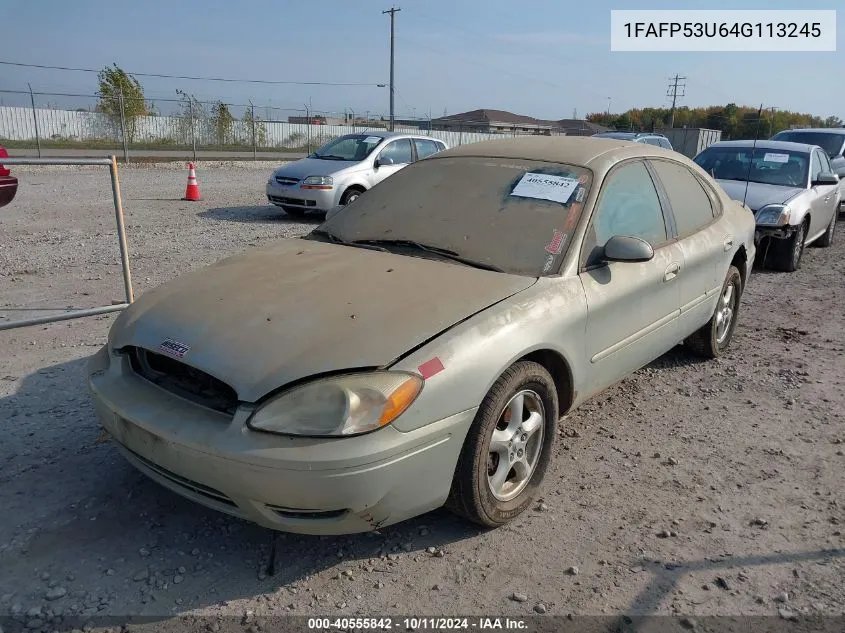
[784, 145]
[839, 131]
[597, 154]
[385, 134]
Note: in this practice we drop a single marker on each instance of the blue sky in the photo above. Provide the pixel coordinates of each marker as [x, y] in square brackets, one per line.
[547, 58]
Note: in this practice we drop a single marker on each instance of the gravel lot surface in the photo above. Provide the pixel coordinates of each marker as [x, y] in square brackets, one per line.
[693, 488]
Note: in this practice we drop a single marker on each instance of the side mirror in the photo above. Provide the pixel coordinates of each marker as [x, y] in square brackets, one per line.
[625, 248]
[826, 179]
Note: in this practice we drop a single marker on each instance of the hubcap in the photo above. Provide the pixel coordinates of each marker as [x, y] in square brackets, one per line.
[725, 313]
[516, 445]
[799, 245]
[351, 198]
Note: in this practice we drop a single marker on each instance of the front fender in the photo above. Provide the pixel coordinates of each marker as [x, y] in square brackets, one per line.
[550, 315]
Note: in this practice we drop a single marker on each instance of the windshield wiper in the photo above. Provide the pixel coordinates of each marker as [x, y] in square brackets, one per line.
[334, 239]
[328, 157]
[436, 250]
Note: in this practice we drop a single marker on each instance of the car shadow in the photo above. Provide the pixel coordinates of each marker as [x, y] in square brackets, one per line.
[258, 214]
[98, 523]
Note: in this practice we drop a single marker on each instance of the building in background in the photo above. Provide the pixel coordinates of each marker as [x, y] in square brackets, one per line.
[502, 122]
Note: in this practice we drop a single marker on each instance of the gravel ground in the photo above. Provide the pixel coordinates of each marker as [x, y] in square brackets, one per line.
[693, 488]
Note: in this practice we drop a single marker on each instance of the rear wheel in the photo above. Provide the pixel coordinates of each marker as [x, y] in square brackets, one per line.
[786, 254]
[713, 339]
[508, 448]
[827, 239]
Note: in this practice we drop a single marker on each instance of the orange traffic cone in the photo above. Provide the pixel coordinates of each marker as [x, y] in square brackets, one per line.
[192, 191]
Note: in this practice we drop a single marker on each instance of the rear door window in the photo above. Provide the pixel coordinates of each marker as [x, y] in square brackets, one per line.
[690, 203]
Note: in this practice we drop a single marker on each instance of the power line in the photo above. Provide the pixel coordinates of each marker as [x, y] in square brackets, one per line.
[223, 79]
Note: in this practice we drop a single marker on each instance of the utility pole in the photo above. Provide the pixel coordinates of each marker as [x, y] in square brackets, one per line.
[674, 86]
[392, 11]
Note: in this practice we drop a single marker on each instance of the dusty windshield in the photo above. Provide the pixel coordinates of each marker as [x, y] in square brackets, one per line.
[513, 215]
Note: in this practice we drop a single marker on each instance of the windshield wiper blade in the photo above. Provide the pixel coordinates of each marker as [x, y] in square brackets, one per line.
[436, 250]
[334, 239]
[329, 157]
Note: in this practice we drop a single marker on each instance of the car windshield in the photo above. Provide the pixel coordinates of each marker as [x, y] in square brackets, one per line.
[351, 147]
[512, 215]
[786, 168]
[621, 136]
[830, 142]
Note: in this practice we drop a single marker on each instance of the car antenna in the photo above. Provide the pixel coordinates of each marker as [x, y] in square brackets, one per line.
[753, 149]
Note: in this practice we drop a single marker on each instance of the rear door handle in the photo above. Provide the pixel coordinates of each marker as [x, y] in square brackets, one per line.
[671, 271]
[729, 243]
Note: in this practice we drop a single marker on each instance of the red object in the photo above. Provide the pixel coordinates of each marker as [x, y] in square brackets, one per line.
[8, 183]
[431, 367]
[192, 191]
[557, 241]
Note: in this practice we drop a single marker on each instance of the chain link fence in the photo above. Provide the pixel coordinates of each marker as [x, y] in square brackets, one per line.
[35, 120]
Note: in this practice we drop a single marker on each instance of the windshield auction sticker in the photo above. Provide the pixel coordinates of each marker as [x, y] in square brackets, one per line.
[776, 158]
[545, 187]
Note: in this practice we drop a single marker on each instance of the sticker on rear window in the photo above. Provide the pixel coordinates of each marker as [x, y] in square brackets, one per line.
[545, 187]
[775, 158]
[373, 139]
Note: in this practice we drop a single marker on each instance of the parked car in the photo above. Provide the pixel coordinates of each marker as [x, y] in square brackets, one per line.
[418, 348]
[8, 183]
[650, 138]
[831, 140]
[344, 168]
[790, 187]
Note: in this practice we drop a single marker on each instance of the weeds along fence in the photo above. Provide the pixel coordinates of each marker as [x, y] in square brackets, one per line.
[194, 124]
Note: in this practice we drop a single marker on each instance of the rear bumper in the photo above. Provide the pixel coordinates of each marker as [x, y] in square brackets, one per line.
[306, 199]
[311, 486]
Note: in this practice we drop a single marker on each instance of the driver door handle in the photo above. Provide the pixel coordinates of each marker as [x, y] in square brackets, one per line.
[671, 271]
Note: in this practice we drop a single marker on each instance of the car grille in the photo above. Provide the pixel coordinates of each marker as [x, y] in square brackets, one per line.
[183, 380]
[192, 486]
[282, 180]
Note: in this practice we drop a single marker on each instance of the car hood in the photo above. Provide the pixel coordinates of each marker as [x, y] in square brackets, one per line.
[299, 308]
[313, 167]
[759, 194]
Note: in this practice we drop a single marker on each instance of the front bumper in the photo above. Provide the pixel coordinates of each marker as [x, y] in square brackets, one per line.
[306, 199]
[305, 485]
[777, 232]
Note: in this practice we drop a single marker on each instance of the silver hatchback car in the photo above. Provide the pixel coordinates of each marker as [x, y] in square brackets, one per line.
[344, 168]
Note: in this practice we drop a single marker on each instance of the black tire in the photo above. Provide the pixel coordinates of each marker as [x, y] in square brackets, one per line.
[350, 195]
[785, 255]
[827, 239]
[471, 496]
[295, 212]
[710, 341]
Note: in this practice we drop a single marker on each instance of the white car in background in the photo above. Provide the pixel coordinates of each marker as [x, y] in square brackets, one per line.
[344, 168]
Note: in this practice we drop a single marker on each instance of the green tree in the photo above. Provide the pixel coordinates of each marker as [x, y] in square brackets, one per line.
[222, 122]
[118, 91]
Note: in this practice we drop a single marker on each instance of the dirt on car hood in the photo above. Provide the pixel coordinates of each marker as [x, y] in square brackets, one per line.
[273, 315]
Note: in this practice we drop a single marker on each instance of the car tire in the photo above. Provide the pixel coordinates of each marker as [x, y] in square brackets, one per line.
[294, 212]
[486, 490]
[827, 239]
[350, 195]
[713, 339]
[786, 254]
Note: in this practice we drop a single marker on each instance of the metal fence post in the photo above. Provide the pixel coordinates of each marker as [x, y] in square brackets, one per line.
[254, 141]
[193, 129]
[123, 126]
[121, 231]
[308, 133]
[35, 121]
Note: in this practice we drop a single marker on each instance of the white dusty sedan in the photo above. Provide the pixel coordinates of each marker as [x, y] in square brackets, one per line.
[419, 348]
[344, 168]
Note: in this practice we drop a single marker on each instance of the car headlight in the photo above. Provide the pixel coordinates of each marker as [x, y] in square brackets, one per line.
[318, 180]
[339, 406]
[774, 215]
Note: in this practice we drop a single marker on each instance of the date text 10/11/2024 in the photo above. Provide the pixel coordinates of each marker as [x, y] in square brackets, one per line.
[417, 624]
